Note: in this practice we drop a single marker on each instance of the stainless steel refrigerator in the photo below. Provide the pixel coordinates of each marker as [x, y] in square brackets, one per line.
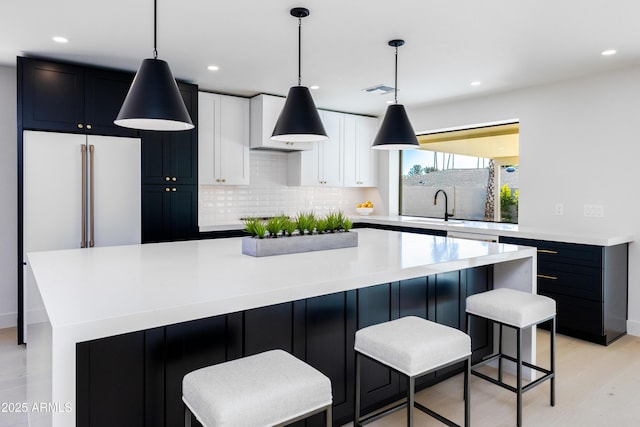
[80, 191]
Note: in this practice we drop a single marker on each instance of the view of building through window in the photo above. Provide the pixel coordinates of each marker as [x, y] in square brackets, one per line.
[481, 185]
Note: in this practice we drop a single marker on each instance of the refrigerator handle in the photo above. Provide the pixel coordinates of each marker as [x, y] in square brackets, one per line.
[91, 198]
[83, 150]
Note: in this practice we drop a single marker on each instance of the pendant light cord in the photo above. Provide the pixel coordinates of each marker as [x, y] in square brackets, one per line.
[155, 29]
[395, 94]
[299, 51]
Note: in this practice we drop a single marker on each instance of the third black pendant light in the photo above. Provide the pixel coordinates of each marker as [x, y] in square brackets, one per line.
[154, 101]
[396, 132]
[299, 120]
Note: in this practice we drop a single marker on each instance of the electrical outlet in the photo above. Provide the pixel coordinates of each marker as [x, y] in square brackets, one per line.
[559, 209]
[594, 211]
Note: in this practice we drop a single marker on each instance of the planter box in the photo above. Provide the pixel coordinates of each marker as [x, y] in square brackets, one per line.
[294, 244]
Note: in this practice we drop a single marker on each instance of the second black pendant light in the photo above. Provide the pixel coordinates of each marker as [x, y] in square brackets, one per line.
[396, 132]
[299, 120]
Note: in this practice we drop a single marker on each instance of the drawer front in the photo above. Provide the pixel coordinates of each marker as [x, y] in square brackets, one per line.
[558, 252]
[574, 281]
[578, 317]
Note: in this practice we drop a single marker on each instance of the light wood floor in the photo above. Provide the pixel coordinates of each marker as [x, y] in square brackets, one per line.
[596, 386]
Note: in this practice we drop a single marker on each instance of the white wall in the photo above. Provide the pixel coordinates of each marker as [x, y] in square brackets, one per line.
[579, 144]
[8, 210]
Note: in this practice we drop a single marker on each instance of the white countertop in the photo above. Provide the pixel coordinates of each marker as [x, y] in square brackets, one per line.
[101, 292]
[463, 226]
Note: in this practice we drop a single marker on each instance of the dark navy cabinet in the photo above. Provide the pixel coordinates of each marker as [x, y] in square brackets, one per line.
[72, 98]
[140, 373]
[170, 179]
[589, 284]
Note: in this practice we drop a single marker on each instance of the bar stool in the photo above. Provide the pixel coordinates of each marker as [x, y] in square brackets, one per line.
[517, 310]
[267, 389]
[413, 347]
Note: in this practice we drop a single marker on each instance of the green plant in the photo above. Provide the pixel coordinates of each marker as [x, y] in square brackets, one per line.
[332, 221]
[322, 225]
[306, 222]
[508, 203]
[347, 224]
[340, 218]
[275, 225]
[289, 226]
[255, 227]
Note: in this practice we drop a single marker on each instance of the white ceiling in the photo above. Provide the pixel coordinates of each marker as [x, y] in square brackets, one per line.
[505, 44]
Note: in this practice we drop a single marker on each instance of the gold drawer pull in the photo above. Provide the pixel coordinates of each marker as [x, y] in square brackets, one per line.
[547, 251]
[543, 276]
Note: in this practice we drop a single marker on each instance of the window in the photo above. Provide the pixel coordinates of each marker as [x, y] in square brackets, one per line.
[477, 168]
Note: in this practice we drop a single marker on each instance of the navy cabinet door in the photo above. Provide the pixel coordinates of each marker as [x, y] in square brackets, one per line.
[110, 381]
[52, 95]
[172, 157]
[169, 212]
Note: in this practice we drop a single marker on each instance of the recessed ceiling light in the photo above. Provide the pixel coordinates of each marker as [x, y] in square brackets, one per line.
[59, 39]
[314, 87]
[213, 68]
[476, 83]
[609, 52]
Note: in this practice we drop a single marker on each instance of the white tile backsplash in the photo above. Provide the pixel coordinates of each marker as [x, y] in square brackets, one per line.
[268, 194]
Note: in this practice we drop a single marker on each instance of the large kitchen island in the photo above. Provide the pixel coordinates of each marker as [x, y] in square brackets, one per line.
[112, 330]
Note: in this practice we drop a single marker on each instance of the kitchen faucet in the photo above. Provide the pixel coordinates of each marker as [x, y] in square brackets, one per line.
[447, 215]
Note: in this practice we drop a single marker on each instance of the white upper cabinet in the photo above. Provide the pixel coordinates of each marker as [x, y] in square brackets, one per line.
[265, 110]
[322, 165]
[360, 161]
[223, 140]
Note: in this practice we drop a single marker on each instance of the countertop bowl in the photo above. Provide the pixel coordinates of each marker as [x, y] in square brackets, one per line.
[364, 211]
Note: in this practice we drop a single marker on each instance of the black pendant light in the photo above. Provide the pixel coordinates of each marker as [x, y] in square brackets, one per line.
[154, 101]
[396, 132]
[299, 120]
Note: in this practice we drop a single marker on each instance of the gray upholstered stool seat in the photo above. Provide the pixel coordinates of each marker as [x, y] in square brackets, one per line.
[518, 310]
[414, 347]
[266, 389]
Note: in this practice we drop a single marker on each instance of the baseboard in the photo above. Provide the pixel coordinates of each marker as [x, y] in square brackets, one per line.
[633, 328]
[8, 320]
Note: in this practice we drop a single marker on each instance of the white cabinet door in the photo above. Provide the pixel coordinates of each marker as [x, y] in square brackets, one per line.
[265, 110]
[360, 161]
[52, 179]
[322, 165]
[330, 150]
[223, 140]
[116, 191]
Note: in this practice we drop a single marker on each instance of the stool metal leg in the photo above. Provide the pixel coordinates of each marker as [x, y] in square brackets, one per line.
[519, 376]
[356, 418]
[552, 363]
[467, 395]
[500, 352]
[187, 416]
[329, 416]
[410, 400]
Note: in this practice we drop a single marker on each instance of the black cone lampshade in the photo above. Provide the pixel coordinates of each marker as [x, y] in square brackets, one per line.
[154, 101]
[396, 132]
[299, 120]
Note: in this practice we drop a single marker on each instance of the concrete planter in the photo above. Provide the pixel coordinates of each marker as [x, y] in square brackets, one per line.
[294, 244]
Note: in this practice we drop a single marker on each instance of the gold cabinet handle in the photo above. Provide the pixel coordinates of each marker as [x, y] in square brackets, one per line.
[547, 251]
[174, 179]
[224, 180]
[167, 189]
[174, 189]
[88, 126]
[544, 276]
[166, 178]
[80, 126]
